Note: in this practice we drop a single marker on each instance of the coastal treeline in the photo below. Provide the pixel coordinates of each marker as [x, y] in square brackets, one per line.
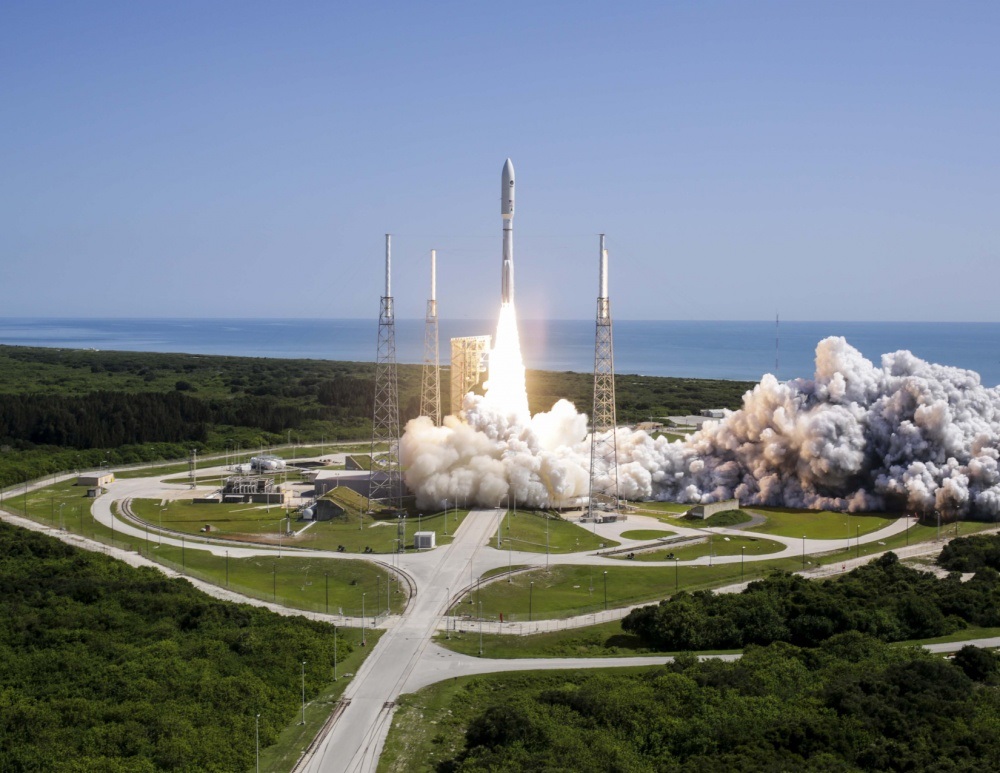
[124, 407]
[884, 599]
[853, 703]
[107, 667]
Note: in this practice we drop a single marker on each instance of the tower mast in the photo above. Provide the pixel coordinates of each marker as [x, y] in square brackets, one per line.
[383, 479]
[430, 383]
[603, 443]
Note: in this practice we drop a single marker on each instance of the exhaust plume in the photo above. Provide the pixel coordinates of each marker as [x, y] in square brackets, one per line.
[907, 435]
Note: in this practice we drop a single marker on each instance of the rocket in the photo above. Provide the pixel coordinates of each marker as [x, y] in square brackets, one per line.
[507, 213]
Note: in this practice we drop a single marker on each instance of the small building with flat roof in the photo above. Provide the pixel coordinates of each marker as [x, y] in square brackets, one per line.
[95, 479]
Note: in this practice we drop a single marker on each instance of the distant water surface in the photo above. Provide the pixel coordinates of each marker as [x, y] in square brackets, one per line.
[728, 350]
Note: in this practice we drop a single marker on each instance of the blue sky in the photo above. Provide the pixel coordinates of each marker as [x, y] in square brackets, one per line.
[826, 160]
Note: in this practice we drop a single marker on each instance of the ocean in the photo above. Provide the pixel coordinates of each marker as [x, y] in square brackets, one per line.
[726, 350]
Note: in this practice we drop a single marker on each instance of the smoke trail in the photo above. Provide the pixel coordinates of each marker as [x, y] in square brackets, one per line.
[909, 434]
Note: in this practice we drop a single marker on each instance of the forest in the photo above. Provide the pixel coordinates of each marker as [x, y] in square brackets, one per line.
[972, 554]
[110, 668]
[62, 409]
[883, 599]
[852, 703]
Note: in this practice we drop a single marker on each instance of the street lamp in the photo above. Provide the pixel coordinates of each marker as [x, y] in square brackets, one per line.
[447, 609]
[364, 642]
[605, 591]
[803, 551]
[161, 527]
[61, 524]
[327, 576]
[480, 629]
[857, 540]
[257, 741]
[335, 653]
[743, 555]
[303, 693]
[227, 568]
[274, 582]
[677, 575]
[531, 592]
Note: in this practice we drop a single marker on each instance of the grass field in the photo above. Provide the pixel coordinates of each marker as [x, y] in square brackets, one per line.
[531, 532]
[568, 590]
[716, 545]
[819, 524]
[603, 640]
[356, 530]
[646, 534]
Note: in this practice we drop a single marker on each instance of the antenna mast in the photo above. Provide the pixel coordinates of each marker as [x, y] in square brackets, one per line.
[384, 481]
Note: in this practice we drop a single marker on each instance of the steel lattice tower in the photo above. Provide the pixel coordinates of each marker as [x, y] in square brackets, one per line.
[603, 443]
[430, 384]
[383, 479]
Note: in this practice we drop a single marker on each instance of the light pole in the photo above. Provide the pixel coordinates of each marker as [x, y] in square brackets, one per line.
[161, 526]
[938, 514]
[227, 568]
[605, 590]
[274, 582]
[743, 555]
[364, 642]
[335, 653]
[303, 693]
[447, 609]
[546, 541]
[803, 551]
[531, 593]
[257, 741]
[848, 525]
[63, 527]
[183, 560]
[677, 575]
[857, 540]
[378, 595]
[711, 547]
[480, 629]
[327, 576]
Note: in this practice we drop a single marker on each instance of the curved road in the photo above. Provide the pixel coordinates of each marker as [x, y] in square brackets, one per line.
[404, 659]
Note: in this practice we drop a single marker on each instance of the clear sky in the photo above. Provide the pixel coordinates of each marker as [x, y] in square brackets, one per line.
[828, 160]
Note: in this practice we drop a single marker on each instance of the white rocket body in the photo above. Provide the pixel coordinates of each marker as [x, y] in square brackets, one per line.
[507, 213]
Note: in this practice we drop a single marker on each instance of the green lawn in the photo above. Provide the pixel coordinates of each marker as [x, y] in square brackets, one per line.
[355, 530]
[569, 590]
[603, 640]
[658, 509]
[646, 534]
[531, 531]
[282, 755]
[819, 524]
[290, 580]
[717, 544]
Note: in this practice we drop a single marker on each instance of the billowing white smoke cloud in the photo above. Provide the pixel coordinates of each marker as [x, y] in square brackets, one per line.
[909, 434]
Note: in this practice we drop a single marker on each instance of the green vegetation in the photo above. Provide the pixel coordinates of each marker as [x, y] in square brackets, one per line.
[355, 530]
[851, 704]
[883, 599]
[638, 397]
[725, 518]
[647, 534]
[716, 545]
[282, 755]
[539, 531]
[107, 667]
[566, 590]
[971, 554]
[819, 524]
[603, 640]
[66, 409]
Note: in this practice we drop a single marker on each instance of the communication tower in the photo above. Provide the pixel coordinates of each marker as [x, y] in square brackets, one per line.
[603, 443]
[383, 479]
[430, 385]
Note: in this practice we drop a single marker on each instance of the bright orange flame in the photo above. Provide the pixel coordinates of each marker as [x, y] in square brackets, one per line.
[505, 389]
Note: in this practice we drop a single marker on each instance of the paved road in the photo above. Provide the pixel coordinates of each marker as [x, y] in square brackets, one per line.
[405, 659]
[355, 742]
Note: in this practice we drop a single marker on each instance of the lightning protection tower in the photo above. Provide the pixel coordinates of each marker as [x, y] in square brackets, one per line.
[383, 479]
[430, 385]
[603, 444]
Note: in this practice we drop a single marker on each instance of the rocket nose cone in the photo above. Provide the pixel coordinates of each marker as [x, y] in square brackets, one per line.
[507, 190]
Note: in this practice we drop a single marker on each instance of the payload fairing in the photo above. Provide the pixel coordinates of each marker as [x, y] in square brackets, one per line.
[507, 213]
